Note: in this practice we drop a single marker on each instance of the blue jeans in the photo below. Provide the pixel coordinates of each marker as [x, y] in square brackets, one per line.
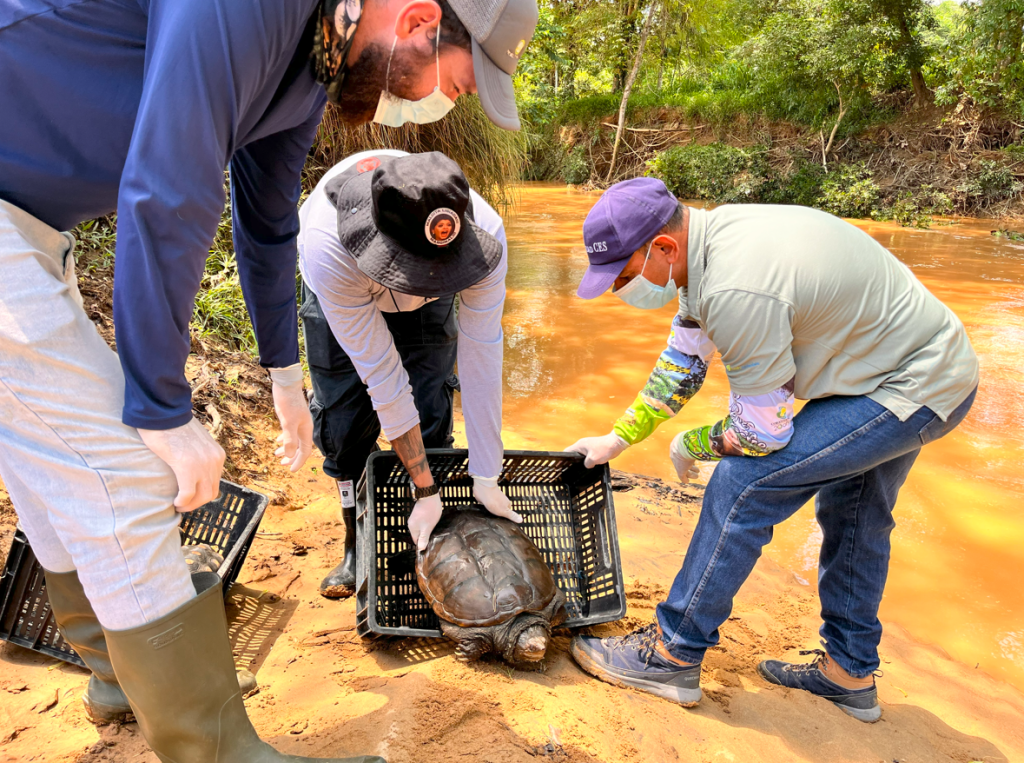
[851, 453]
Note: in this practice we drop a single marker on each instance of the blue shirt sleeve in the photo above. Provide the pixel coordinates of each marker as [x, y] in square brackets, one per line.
[265, 189]
[206, 62]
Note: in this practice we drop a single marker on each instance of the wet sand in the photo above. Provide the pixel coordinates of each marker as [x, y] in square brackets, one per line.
[323, 691]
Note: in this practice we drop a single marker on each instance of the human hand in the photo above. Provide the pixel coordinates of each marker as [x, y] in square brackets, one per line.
[296, 438]
[684, 463]
[424, 517]
[599, 450]
[195, 458]
[487, 492]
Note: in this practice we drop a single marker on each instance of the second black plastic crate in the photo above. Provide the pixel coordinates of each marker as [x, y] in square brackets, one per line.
[567, 511]
[228, 525]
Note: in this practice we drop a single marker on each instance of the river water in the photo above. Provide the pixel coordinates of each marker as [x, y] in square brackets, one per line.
[572, 367]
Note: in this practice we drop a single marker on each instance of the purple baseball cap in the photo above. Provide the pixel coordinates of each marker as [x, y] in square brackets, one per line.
[628, 215]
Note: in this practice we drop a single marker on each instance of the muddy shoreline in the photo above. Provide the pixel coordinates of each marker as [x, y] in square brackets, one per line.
[323, 690]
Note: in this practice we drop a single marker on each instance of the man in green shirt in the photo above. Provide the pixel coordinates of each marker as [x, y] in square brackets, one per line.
[800, 304]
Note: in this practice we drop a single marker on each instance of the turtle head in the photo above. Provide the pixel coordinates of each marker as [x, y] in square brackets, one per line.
[531, 644]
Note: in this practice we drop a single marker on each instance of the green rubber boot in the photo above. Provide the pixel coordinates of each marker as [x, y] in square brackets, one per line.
[179, 677]
[103, 699]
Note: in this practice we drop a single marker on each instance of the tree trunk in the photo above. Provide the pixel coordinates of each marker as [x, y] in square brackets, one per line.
[628, 88]
[922, 94]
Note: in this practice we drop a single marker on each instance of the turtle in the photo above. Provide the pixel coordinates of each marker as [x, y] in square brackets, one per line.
[489, 586]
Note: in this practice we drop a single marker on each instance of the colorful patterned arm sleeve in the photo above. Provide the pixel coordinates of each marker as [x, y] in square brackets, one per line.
[756, 426]
[676, 377]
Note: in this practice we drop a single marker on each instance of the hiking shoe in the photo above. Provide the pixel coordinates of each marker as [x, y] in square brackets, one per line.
[635, 661]
[862, 704]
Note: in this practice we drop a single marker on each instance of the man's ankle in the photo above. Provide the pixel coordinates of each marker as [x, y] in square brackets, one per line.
[665, 655]
[835, 673]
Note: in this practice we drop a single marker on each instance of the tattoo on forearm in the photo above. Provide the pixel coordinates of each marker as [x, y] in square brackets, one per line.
[409, 448]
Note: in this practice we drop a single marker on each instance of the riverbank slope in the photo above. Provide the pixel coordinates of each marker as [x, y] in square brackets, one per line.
[323, 691]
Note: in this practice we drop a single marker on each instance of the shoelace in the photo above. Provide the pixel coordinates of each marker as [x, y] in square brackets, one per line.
[820, 657]
[807, 667]
[645, 640]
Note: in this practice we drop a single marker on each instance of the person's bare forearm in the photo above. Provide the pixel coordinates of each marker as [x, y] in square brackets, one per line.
[409, 448]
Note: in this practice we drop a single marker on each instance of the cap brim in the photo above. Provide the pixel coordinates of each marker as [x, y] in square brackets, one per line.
[599, 278]
[494, 88]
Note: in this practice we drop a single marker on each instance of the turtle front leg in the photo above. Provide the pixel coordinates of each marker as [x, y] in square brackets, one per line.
[470, 643]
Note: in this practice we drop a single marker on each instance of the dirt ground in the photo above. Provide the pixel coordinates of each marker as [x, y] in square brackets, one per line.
[324, 691]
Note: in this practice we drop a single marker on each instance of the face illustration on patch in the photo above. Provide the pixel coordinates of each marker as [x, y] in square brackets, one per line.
[367, 165]
[442, 226]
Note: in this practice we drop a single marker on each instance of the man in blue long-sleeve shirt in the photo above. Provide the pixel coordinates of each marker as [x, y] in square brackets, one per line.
[139, 106]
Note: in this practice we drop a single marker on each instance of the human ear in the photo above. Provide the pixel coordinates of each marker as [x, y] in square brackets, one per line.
[669, 248]
[417, 17]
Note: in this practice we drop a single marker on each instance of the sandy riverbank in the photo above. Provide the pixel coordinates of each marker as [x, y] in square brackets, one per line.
[325, 692]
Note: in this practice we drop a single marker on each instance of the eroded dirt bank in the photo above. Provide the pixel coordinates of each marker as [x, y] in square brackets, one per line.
[325, 692]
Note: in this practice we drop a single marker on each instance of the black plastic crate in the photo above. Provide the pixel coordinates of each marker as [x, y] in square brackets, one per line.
[567, 511]
[228, 525]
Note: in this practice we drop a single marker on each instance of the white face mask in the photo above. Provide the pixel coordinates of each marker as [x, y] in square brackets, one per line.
[395, 112]
[645, 295]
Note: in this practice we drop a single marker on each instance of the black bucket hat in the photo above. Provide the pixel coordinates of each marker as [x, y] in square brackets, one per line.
[409, 225]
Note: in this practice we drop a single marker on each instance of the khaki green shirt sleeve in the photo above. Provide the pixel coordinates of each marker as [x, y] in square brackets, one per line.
[753, 332]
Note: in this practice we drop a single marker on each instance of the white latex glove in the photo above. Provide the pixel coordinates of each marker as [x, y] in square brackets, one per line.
[487, 492]
[425, 516]
[686, 466]
[296, 438]
[599, 450]
[195, 458]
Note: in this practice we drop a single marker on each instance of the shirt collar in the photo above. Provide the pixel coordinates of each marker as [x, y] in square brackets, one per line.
[690, 294]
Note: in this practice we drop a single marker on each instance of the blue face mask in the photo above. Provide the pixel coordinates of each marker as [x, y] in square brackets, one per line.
[645, 295]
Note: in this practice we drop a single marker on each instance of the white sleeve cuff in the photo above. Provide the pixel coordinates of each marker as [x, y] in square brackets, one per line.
[287, 377]
[485, 481]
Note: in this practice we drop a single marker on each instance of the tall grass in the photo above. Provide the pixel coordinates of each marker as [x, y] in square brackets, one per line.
[493, 159]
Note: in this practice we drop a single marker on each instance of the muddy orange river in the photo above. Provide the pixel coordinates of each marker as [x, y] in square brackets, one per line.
[572, 367]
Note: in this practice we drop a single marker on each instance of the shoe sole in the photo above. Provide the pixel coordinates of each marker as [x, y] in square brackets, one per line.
[868, 715]
[684, 697]
[337, 591]
[103, 715]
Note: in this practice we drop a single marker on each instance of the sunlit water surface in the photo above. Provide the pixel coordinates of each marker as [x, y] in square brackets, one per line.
[572, 367]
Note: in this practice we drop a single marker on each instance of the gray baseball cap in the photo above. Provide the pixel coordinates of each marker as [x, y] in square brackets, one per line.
[500, 30]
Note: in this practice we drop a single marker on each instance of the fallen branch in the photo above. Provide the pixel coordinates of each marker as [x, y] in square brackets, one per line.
[653, 129]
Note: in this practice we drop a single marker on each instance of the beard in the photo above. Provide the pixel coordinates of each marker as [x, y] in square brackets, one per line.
[367, 78]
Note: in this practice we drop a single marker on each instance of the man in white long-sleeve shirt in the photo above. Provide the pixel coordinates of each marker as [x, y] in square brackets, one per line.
[387, 240]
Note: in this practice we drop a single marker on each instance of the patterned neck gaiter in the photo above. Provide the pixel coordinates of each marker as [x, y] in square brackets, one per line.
[336, 26]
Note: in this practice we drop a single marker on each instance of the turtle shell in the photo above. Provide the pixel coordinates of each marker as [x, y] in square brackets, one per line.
[481, 570]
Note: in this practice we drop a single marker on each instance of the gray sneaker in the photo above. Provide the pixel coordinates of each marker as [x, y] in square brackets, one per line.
[633, 660]
[862, 704]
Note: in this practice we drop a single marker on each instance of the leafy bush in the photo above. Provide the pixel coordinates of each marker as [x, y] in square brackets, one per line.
[576, 167]
[801, 186]
[990, 182]
[849, 190]
[716, 172]
[915, 210]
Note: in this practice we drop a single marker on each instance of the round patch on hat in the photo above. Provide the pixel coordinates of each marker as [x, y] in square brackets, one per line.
[368, 165]
[442, 226]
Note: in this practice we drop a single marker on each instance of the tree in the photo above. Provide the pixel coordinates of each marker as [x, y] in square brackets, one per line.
[651, 12]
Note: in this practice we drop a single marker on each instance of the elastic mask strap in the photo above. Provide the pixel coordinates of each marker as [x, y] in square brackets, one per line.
[646, 258]
[437, 54]
[387, 77]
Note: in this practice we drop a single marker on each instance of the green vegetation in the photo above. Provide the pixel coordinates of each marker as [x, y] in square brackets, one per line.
[900, 109]
[220, 308]
[894, 109]
[492, 158]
